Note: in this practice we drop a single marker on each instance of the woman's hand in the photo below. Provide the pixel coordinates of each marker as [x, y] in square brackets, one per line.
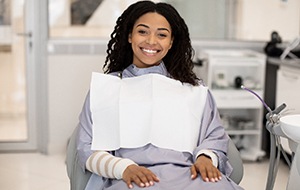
[141, 176]
[207, 170]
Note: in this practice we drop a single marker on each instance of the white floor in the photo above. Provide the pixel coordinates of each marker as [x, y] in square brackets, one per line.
[33, 171]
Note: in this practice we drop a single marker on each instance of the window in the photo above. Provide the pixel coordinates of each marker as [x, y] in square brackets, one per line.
[206, 19]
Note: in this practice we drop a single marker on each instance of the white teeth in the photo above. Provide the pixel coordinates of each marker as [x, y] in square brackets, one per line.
[149, 51]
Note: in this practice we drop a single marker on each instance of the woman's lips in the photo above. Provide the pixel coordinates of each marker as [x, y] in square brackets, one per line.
[150, 51]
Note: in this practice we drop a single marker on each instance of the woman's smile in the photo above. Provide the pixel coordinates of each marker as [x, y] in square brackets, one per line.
[150, 52]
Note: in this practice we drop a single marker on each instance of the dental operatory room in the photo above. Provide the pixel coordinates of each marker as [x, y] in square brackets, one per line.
[243, 54]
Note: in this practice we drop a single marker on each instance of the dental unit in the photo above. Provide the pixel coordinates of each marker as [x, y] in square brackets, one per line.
[287, 126]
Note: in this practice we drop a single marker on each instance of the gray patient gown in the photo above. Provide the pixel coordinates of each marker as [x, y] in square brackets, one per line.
[171, 166]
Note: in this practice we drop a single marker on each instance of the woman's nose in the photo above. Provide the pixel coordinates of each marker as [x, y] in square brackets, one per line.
[151, 39]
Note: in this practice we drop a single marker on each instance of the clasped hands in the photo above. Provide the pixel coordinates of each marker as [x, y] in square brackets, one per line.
[144, 177]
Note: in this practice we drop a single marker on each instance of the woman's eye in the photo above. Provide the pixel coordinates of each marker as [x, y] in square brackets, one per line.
[142, 32]
[162, 35]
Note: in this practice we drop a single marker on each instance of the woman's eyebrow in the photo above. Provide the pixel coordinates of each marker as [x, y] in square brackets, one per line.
[144, 25]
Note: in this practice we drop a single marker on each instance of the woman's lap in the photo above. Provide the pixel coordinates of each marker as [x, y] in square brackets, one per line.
[174, 177]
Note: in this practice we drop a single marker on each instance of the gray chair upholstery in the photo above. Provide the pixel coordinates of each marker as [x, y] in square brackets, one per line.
[236, 162]
[79, 178]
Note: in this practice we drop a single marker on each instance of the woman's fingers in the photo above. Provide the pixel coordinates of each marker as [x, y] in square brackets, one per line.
[207, 170]
[193, 172]
[150, 177]
[137, 180]
[211, 174]
[129, 184]
[141, 176]
[147, 177]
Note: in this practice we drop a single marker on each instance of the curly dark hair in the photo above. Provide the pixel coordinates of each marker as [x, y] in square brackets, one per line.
[178, 60]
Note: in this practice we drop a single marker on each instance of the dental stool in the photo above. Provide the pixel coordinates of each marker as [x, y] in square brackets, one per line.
[79, 179]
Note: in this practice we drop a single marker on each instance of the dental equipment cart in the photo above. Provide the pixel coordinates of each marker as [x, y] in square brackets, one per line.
[288, 127]
[223, 71]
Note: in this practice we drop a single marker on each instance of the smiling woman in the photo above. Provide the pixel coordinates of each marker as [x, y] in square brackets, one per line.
[149, 121]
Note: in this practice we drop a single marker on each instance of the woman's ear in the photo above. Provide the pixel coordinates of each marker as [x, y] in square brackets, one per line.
[171, 43]
[129, 38]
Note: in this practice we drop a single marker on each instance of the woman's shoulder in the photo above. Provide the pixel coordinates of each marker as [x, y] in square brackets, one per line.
[201, 83]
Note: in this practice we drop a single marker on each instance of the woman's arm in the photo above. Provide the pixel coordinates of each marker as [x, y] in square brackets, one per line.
[96, 161]
[212, 140]
[212, 134]
[84, 136]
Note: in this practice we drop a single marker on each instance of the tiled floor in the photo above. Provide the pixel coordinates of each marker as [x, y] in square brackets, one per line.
[256, 173]
[33, 171]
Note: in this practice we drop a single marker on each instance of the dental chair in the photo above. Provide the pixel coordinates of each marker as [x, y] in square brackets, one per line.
[79, 178]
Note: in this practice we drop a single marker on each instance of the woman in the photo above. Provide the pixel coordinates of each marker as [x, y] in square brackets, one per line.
[152, 38]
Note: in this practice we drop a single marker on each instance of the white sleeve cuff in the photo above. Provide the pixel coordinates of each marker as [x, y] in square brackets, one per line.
[210, 154]
[107, 165]
[121, 166]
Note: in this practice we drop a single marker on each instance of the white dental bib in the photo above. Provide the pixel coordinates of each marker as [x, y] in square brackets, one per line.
[152, 108]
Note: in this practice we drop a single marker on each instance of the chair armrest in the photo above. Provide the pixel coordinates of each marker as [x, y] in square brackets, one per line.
[236, 162]
[78, 178]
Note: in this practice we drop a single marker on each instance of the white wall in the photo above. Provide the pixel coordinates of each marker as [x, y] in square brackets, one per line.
[69, 79]
[59, 13]
[258, 18]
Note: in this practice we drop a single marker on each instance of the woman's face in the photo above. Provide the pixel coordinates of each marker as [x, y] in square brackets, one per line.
[151, 39]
